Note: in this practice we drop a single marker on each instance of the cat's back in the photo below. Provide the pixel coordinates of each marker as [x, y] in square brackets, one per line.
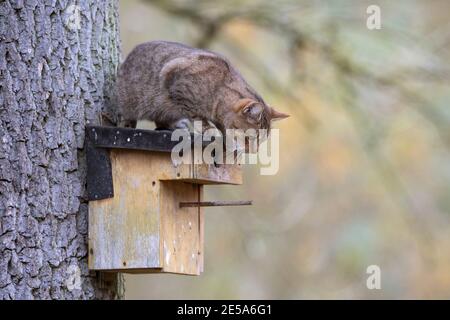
[155, 54]
[139, 75]
[156, 73]
[148, 65]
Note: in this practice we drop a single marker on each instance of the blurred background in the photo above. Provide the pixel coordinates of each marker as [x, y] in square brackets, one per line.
[364, 173]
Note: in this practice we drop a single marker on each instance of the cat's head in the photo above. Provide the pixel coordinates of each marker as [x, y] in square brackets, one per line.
[253, 114]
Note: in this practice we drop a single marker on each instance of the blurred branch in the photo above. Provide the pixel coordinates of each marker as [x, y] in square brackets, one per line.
[208, 25]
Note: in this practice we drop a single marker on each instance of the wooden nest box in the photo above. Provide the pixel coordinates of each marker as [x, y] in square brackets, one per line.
[146, 214]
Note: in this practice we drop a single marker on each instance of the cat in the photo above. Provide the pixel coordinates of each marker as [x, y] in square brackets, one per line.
[173, 84]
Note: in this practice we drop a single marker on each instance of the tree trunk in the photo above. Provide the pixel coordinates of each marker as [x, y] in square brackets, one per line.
[58, 61]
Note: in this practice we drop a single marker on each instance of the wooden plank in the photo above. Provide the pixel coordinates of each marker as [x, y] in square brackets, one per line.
[196, 173]
[221, 174]
[201, 225]
[179, 228]
[124, 230]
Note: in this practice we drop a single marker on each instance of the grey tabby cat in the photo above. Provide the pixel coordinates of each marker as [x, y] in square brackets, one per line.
[173, 84]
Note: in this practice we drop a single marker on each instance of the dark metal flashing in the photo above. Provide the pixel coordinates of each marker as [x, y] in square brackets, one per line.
[99, 173]
[99, 140]
[127, 138]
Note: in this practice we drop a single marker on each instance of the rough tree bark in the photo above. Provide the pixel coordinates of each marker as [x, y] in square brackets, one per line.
[58, 60]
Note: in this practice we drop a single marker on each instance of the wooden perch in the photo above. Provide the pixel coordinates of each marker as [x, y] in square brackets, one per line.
[216, 203]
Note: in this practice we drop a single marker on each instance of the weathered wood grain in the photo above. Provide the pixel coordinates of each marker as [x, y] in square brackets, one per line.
[180, 229]
[124, 230]
[142, 229]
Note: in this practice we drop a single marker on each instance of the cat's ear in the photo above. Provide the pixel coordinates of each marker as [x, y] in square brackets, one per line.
[277, 115]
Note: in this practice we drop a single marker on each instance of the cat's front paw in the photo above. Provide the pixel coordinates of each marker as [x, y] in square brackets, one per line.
[184, 123]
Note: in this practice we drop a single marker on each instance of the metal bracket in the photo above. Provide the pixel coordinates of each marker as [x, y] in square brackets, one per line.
[99, 174]
[98, 142]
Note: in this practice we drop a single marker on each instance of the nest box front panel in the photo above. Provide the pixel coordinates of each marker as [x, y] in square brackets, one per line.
[181, 228]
